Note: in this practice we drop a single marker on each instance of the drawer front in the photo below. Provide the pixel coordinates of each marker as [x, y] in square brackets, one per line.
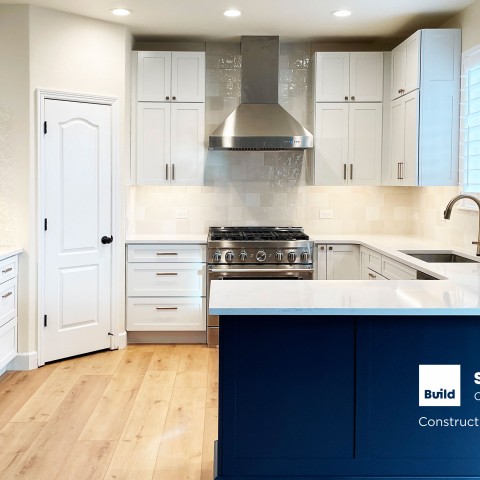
[8, 342]
[166, 253]
[8, 301]
[371, 259]
[166, 314]
[394, 270]
[8, 268]
[166, 280]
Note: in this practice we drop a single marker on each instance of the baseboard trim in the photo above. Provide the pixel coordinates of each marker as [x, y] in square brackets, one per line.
[24, 361]
[167, 337]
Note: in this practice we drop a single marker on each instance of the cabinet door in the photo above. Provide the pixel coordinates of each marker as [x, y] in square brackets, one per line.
[188, 76]
[412, 63]
[394, 270]
[409, 171]
[397, 140]
[398, 71]
[343, 262]
[369, 261]
[332, 77]
[187, 143]
[321, 264]
[153, 143]
[366, 76]
[154, 76]
[365, 144]
[331, 143]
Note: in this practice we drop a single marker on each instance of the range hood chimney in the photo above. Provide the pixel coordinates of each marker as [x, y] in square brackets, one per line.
[259, 122]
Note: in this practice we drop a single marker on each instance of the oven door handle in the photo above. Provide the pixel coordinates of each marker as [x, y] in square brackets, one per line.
[260, 270]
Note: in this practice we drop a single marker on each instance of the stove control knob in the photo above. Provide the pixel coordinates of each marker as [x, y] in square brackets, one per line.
[217, 256]
[304, 256]
[292, 257]
[229, 256]
[261, 256]
[278, 256]
[243, 256]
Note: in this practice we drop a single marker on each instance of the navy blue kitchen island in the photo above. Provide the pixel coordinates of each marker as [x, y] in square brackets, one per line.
[307, 397]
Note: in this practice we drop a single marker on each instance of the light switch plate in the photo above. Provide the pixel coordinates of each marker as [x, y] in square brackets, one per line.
[326, 213]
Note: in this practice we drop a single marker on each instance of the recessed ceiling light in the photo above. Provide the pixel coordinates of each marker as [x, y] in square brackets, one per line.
[342, 13]
[232, 13]
[121, 12]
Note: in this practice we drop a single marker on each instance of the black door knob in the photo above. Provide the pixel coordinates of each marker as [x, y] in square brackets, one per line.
[106, 240]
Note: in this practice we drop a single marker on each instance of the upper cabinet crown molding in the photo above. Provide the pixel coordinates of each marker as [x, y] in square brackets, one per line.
[349, 76]
[171, 77]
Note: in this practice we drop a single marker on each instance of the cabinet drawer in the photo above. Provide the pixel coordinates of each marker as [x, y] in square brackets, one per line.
[8, 342]
[8, 268]
[372, 275]
[166, 280]
[394, 270]
[371, 259]
[168, 314]
[166, 253]
[8, 301]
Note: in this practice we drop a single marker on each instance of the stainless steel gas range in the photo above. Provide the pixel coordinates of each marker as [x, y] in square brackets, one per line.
[256, 253]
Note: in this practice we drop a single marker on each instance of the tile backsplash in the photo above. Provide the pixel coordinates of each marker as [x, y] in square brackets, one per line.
[6, 178]
[272, 188]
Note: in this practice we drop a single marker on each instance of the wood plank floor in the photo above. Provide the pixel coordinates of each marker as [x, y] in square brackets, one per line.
[146, 412]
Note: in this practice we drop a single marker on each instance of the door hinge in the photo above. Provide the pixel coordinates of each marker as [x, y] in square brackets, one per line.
[45, 127]
[45, 225]
[44, 320]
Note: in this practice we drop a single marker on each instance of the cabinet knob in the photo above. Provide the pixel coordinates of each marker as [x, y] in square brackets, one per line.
[346, 98]
[106, 240]
[168, 98]
[400, 90]
[352, 97]
[174, 98]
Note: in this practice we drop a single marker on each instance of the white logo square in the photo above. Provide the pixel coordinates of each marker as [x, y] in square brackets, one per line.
[439, 386]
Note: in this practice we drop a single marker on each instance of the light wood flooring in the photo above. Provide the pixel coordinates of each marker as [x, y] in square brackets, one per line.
[146, 412]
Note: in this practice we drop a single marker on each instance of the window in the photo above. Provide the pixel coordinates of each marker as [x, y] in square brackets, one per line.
[470, 123]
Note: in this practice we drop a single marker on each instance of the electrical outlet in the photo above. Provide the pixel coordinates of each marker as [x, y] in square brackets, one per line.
[181, 214]
[326, 213]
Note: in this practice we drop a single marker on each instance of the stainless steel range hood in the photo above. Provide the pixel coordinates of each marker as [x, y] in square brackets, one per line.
[259, 122]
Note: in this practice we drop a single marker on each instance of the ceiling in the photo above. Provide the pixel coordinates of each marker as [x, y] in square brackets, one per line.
[293, 20]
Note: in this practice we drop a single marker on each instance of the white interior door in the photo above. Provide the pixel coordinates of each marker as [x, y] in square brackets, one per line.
[77, 202]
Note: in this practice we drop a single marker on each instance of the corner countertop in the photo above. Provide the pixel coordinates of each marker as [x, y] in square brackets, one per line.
[458, 293]
[6, 252]
[196, 238]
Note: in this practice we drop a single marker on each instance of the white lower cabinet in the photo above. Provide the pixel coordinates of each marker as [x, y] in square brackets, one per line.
[8, 310]
[338, 262]
[375, 266]
[166, 290]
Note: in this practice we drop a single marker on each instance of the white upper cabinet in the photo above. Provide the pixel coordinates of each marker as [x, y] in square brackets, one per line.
[170, 143]
[348, 76]
[348, 143]
[406, 66]
[171, 77]
[424, 112]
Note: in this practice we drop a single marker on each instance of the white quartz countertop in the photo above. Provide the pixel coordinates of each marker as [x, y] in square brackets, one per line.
[198, 238]
[6, 252]
[458, 293]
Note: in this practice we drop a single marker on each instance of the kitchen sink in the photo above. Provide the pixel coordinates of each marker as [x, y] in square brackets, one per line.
[440, 256]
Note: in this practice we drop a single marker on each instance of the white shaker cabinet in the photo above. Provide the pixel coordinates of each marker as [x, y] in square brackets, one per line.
[424, 113]
[405, 68]
[348, 76]
[166, 288]
[338, 262]
[170, 143]
[348, 143]
[171, 77]
[8, 310]
[375, 266]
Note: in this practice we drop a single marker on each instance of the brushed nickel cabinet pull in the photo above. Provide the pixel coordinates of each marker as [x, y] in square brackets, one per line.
[167, 308]
[166, 274]
[7, 294]
[9, 269]
[351, 171]
[166, 171]
[401, 170]
[169, 253]
[173, 171]
[371, 275]
[398, 170]
[344, 171]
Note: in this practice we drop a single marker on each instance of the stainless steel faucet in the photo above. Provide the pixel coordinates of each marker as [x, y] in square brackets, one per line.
[448, 212]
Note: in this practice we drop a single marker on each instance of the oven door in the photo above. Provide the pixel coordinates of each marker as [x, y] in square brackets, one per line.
[250, 272]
